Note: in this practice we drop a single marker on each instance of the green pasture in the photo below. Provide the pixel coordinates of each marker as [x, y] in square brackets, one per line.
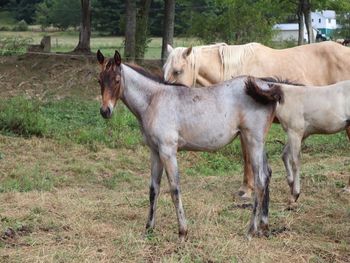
[67, 41]
[74, 187]
[78, 121]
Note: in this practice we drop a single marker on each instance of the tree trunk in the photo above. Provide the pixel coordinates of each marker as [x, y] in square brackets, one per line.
[85, 28]
[301, 25]
[142, 30]
[306, 8]
[310, 31]
[168, 31]
[130, 29]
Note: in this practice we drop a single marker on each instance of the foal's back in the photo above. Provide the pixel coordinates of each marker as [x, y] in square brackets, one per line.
[209, 118]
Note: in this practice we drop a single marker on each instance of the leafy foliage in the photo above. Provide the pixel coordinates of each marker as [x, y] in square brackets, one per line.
[13, 45]
[23, 9]
[21, 26]
[233, 21]
[107, 16]
[60, 13]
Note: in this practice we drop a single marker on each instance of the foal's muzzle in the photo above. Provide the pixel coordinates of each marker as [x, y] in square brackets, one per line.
[106, 112]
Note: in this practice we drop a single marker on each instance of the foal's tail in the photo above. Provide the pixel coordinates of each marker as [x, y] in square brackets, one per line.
[264, 96]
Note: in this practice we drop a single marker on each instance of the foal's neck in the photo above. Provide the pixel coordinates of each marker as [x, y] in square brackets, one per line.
[138, 91]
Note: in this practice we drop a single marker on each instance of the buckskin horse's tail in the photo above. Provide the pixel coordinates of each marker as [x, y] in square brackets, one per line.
[264, 96]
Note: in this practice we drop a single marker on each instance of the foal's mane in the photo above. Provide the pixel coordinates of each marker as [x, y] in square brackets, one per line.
[155, 77]
[279, 80]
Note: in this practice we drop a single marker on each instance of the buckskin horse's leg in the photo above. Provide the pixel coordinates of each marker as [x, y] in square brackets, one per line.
[294, 140]
[246, 190]
[347, 188]
[168, 158]
[156, 176]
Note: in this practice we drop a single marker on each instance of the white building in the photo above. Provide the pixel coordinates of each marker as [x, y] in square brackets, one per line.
[323, 22]
[290, 32]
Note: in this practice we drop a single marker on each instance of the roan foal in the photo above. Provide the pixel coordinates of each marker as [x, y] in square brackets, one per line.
[174, 117]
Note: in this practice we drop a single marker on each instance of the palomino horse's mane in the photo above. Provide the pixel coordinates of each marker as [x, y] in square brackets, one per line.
[155, 77]
[231, 58]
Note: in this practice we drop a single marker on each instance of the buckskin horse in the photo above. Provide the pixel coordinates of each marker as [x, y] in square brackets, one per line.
[314, 64]
[300, 115]
[174, 118]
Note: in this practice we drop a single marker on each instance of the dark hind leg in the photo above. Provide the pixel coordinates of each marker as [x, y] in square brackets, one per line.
[262, 173]
[246, 190]
[264, 223]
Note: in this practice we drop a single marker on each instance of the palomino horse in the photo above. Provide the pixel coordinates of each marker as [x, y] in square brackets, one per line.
[315, 64]
[179, 118]
[301, 116]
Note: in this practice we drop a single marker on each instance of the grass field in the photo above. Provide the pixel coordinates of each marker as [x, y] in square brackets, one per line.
[74, 187]
[67, 41]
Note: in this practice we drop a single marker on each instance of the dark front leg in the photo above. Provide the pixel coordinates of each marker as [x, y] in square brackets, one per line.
[156, 176]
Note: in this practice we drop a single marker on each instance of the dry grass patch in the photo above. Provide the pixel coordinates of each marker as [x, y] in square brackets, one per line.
[89, 217]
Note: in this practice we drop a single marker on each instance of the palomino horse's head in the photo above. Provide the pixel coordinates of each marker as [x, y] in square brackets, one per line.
[179, 67]
[110, 82]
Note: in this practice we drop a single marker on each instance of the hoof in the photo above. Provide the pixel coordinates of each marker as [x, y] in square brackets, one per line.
[292, 204]
[244, 193]
[183, 236]
[264, 230]
[346, 189]
[258, 233]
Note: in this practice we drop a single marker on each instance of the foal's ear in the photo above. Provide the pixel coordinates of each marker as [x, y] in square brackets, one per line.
[169, 48]
[100, 57]
[117, 58]
[187, 52]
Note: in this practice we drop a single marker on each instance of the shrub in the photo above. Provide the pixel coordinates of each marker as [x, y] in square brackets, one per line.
[21, 26]
[22, 117]
[13, 45]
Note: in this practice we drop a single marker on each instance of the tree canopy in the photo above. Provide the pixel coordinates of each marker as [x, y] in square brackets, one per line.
[235, 21]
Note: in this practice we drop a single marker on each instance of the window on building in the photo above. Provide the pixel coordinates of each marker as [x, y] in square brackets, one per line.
[329, 20]
[312, 20]
[319, 20]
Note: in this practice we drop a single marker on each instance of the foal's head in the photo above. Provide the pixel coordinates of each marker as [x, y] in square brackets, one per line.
[110, 82]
